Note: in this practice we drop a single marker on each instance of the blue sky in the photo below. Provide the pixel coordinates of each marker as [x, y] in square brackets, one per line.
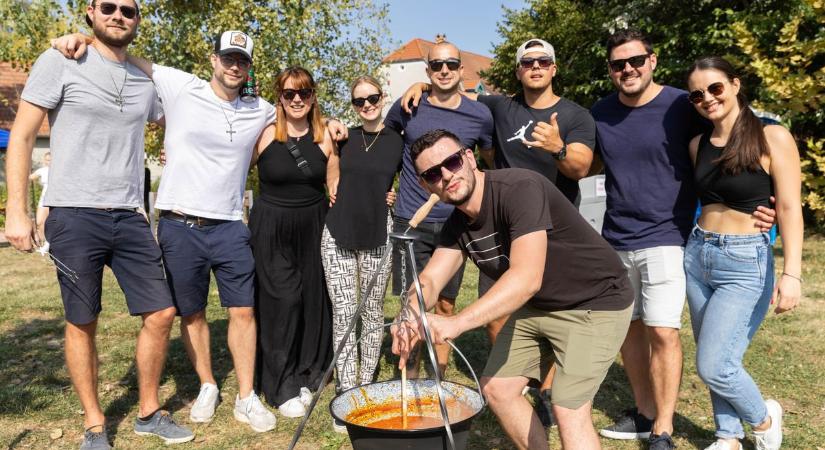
[471, 25]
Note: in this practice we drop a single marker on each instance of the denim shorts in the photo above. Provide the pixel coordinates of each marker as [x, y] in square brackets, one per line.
[191, 252]
[85, 240]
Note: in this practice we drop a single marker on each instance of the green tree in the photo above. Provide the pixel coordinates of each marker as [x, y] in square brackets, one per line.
[792, 70]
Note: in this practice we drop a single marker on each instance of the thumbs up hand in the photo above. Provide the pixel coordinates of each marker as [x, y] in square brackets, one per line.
[546, 136]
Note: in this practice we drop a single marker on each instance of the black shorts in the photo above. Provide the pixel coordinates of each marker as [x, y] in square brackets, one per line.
[86, 239]
[190, 252]
[424, 247]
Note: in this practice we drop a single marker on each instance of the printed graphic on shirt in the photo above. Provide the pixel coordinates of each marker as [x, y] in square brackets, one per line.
[519, 134]
[489, 254]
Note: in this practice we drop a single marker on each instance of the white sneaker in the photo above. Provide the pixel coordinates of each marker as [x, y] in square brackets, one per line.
[770, 439]
[293, 408]
[305, 396]
[722, 444]
[338, 426]
[250, 410]
[204, 407]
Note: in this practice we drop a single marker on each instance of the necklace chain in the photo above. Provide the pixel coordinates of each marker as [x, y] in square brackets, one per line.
[230, 131]
[119, 92]
[363, 136]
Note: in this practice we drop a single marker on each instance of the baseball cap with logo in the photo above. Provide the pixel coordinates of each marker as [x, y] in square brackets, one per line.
[91, 3]
[234, 42]
[535, 45]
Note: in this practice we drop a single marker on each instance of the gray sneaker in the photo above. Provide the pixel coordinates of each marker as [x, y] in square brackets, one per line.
[250, 410]
[162, 426]
[204, 407]
[95, 441]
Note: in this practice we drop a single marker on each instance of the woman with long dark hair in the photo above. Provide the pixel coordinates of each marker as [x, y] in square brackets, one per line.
[356, 234]
[729, 265]
[295, 160]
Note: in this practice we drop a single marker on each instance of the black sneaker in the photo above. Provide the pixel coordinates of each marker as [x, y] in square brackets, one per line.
[631, 425]
[661, 442]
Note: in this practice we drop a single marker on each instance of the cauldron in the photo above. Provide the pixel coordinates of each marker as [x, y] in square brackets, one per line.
[364, 437]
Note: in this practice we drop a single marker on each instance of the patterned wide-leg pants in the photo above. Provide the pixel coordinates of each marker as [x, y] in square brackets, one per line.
[345, 269]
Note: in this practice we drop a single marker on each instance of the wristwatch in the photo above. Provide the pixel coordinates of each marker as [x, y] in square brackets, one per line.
[561, 154]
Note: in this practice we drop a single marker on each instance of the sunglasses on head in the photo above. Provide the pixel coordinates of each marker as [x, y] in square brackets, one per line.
[617, 65]
[359, 102]
[304, 94]
[453, 163]
[110, 8]
[544, 62]
[437, 64]
[228, 61]
[698, 96]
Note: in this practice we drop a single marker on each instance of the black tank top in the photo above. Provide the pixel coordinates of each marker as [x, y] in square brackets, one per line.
[283, 183]
[742, 192]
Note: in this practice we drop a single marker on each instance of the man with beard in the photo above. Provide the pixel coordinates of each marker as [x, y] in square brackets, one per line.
[97, 107]
[473, 124]
[209, 141]
[565, 290]
[643, 132]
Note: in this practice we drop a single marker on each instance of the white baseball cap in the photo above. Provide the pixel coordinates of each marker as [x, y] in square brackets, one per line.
[535, 45]
[234, 42]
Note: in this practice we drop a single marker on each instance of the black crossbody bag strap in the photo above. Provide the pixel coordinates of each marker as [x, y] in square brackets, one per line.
[303, 165]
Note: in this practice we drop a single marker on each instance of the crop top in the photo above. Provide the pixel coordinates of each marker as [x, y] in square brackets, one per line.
[742, 192]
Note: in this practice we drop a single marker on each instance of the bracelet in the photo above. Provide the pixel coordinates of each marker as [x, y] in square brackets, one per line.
[795, 278]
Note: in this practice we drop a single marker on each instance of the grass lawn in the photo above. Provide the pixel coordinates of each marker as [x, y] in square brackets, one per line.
[38, 408]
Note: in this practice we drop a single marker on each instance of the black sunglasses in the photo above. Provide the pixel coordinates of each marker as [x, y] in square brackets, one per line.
[617, 65]
[698, 96]
[544, 62]
[126, 11]
[304, 94]
[453, 163]
[437, 64]
[359, 102]
[228, 61]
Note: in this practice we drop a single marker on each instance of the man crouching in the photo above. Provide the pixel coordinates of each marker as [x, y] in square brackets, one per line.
[564, 285]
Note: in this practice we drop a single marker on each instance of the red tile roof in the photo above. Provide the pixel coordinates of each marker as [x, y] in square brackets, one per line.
[11, 86]
[416, 50]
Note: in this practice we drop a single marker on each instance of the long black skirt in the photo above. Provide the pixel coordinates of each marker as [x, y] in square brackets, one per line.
[291, 301]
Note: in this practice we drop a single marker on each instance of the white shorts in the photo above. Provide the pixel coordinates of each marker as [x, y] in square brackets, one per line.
[657, 275]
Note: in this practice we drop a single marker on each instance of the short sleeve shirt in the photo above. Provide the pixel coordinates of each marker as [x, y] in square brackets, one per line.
[96, 146]
[209, 144]
[581, 270]
[471, 122]
[515, 120]
[651, 200]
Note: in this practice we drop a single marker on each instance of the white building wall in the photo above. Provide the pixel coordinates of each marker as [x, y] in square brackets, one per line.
[399, 76]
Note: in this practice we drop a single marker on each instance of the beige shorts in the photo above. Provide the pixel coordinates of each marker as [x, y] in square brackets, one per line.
[582, 343]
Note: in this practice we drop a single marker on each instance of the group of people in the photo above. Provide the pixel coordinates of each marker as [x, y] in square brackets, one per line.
[552, 291]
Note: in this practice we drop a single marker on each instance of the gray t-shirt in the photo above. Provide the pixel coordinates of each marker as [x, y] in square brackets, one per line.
[97, 149]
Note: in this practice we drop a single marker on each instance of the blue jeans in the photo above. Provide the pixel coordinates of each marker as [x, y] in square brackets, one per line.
[729, 286]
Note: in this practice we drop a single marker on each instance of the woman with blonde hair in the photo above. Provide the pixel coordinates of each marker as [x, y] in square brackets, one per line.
[296, 159]
[356, 234]
[739, 165]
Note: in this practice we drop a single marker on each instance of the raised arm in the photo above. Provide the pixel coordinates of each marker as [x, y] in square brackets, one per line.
[412, 96]
[19, 230]
[787, 180]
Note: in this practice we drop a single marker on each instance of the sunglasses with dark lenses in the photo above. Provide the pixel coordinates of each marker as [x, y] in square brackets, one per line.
[437, 64]
[617, 65]
[544, 62]
[126, 11]
[698, 96]
[453, 163]
[228, 61]
[359, 102]
[304, 94]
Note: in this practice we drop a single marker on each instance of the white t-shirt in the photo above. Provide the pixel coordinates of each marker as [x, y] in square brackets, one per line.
[43, 176]
[205, 172]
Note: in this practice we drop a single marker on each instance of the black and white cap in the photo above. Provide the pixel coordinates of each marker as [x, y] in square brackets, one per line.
[234, 42]
[535, 45]
[89, 21]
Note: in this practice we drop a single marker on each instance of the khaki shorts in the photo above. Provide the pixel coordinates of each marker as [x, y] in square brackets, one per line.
[582, 343]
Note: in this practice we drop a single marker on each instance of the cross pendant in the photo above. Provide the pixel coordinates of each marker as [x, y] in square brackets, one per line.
[230, 132]
[119, 102]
